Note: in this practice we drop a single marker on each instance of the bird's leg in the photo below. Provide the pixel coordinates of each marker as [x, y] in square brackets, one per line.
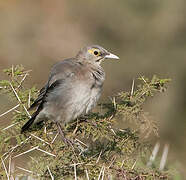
[65, 140]
[61, 132]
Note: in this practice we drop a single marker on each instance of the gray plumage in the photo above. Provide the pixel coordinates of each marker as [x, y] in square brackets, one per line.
[73, 88]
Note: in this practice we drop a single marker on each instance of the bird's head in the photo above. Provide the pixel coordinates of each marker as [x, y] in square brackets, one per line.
[95, 54]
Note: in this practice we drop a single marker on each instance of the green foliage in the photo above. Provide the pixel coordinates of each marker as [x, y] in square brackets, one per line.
[100, 147]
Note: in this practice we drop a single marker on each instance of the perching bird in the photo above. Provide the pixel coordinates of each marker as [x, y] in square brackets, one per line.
[73, 88]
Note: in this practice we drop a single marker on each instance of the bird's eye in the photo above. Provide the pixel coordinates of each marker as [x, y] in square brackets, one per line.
[96, 53]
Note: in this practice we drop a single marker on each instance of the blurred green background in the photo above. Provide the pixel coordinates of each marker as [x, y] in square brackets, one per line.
[149, 36]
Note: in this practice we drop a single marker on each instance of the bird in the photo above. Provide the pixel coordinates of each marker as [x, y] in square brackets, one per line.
[72, 90]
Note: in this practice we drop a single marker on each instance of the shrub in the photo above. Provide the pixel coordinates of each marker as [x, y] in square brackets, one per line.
[101, 148]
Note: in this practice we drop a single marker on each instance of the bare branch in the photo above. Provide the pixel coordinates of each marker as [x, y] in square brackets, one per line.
[132, 89]
[12, 149]
[20, 84]
[26, 170]
[46, 152]
[40, 139]
[52, 177]
[154, 154]
[29, 96]
[10, 126]
[164, 156]
[20, 100]
[55, 138]
[32, 149]
[10, 110]
[5, 169]
[99, 156]
[75, 173]
[86, 171]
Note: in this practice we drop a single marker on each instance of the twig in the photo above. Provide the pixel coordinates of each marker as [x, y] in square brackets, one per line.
[103, 173]
[86, 171]
[45, 130]
[10, 166]
[10, 110]
[134, 164]
[9, 126]
[81, 142]
[45, 152]
[26, 170]
[132, 89]
[112, 130]
[15, 93]
[164, 156]
[55, 138]
[114, 102]
[33, 159]
[40, 139]
[143, 79]
[29, 96]
[34, 148]
[112, 161]
[5, 168]
[154, 154]
[75, 173]
[100, 173]
[123, 162]
[25, 152]
[17, 111]
[20, 84]
[52, 177]
[146, 84]
[99, 156]
[12, 149]
[20, 100]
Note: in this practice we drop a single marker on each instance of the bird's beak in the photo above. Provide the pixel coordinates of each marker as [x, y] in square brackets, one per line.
[111, 56]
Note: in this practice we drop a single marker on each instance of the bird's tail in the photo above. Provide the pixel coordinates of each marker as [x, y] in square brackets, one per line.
[29, 122]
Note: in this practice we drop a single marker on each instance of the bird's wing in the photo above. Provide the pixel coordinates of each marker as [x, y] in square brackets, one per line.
[59, 73]
[42, 93]
[39, 102]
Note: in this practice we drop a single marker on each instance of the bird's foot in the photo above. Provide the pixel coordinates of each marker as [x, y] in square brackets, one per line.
[67, 141]
[64, 139]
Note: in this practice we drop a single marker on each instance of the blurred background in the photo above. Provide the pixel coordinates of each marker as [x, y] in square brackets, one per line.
[149, 36]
